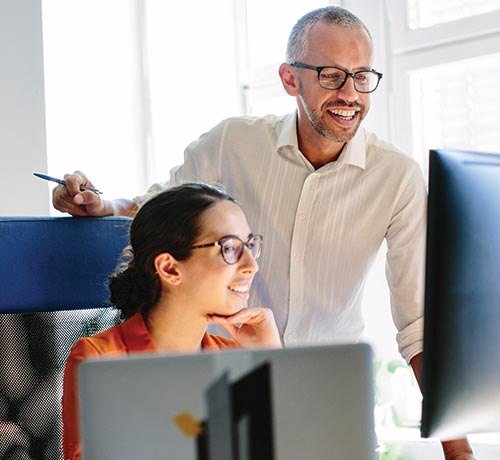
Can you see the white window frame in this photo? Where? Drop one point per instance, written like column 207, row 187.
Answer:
column 405, row 40
column 410, row 50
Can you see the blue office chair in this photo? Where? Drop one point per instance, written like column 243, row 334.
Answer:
column 53, row 290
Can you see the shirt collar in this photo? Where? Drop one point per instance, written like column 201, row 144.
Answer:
column 136, row 335
column 288, row 135
column 354, row 152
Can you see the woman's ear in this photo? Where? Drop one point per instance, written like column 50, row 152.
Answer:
column 288, row 79
column 167, row 269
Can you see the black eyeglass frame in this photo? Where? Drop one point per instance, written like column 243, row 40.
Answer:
column 319, row 69
column 246, row 243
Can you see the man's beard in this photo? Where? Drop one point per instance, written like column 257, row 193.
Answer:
column 335, row 134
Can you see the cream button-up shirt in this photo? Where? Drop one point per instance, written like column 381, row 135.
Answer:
column 322, row 228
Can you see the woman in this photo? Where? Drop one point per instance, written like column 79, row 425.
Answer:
column 192, row 259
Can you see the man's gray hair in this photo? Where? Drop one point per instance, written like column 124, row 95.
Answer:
column 335, row 15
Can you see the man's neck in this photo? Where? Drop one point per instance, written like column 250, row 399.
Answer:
column 320, row 152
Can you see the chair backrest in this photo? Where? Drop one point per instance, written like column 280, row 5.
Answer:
column 53, row 290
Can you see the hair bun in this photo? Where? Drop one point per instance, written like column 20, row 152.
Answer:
column 131, row 292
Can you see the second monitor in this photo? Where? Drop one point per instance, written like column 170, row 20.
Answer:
column 461, row 374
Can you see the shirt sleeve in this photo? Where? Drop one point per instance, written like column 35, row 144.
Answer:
column 81, row 350
column 405, row 263
column 201, row 164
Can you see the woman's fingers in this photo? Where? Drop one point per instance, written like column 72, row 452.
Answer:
column 256, row 326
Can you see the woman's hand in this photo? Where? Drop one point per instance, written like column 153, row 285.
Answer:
column 257, row 327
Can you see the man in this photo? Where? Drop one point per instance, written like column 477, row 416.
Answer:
column 323, row 192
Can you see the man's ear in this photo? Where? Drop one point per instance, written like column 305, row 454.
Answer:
column 167, row 268
column 288, row 79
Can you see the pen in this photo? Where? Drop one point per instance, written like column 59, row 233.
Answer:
column 63, row 182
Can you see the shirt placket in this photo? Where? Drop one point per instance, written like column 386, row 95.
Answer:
column 297, row 258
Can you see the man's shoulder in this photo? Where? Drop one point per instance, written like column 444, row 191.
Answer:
column 246, row 122
column 380, row 150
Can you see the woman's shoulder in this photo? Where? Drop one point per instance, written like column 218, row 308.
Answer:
column 106, row 342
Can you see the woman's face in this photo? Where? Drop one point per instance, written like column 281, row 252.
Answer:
column 217, row 287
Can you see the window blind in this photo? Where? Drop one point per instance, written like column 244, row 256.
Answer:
column 456, row 105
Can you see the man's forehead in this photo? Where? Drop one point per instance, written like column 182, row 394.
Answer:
column 332, row 40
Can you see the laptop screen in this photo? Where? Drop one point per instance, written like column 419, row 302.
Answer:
column 296, row 403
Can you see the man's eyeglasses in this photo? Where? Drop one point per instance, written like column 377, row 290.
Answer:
column 365, row 81
column 232, row 247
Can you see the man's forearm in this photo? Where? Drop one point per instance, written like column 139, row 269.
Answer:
column 454, row 449
column 121, row 207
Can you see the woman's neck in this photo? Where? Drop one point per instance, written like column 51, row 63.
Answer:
column 175, row 328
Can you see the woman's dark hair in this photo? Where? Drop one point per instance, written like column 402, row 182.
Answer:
column 169, row 222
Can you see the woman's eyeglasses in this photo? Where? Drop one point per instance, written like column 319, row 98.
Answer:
column 232, row 247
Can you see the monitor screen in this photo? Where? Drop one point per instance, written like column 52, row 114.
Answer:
column 461, row 368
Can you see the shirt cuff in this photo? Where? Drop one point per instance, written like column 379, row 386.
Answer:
column 154, row 190
column 411, row 340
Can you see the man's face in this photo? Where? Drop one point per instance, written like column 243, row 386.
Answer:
column 334, row 114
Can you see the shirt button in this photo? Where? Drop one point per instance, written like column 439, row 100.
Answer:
column 301, row 216
column 297, row 259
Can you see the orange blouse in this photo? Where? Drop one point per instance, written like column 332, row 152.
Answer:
column 129, row 337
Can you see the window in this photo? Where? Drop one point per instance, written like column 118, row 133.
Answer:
column 445, row 76
column 123, row 106
column 225, row 67
column 191, row 74
column 445, row 58
column 262, row 49
column 93, row 93
column 426, row 13
column 452, row 105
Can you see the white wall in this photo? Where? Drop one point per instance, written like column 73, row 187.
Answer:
column 22, row 111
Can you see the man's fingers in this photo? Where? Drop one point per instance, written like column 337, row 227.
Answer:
column 74, row 181
column 87, row 198
column 61, row 198
column 81, row 204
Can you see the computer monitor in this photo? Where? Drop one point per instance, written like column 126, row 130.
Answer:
column 461, row 365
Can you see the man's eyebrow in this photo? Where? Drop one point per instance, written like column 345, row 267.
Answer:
column 355, row 69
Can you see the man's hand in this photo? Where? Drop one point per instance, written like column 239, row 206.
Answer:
column 457, row 449
column 258, row 328
column 71, row 199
